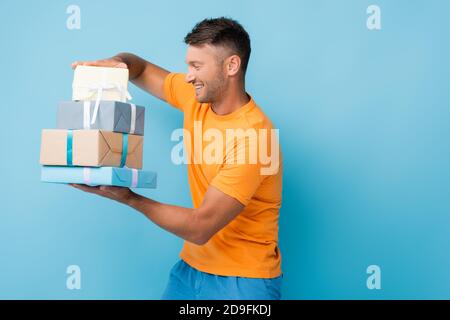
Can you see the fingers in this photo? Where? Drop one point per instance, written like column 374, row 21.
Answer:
column 75, row 64
column 120, row 194
column 112, row 63
column 87, row 188
column 100, row 190
column 82, row 63
column 106, row 189
column 121, row 65
column 86, row 63
column 111, row 189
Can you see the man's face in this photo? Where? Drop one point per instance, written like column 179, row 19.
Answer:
column 206, row 72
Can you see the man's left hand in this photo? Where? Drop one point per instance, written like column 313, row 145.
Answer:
column 120, row 194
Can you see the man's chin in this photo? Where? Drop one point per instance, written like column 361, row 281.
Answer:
column 202, row 99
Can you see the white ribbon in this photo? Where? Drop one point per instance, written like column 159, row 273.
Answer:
column 134, row 178
column 125, row 95
column 87, row 175
column 133, row 118
column 86, row 115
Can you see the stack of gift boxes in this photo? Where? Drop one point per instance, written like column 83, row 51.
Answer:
column 99, row 136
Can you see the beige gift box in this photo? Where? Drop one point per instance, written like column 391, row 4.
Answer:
column 91, row 148
column 109, row 84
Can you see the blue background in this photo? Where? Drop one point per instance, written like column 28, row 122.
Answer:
column 364, row 126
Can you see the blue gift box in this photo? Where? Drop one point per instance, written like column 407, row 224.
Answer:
column 112, row 116
column 110, row 176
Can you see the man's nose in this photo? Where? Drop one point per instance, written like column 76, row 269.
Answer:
column 189, row 77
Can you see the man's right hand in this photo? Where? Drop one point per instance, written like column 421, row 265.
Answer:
column 142, row 73
column 114, row 62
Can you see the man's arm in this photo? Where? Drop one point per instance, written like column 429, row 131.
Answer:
column 194, row 225
column 144, row 74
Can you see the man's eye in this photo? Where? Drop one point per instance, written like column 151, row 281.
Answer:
column 197, row 68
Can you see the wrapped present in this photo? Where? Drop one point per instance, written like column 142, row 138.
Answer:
column 112, row 116
column 110, row 176
column 92, row 83
column 91, row 148
column 100, row 83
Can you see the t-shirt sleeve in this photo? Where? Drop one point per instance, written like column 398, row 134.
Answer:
column 239, row 180
column 177, row 92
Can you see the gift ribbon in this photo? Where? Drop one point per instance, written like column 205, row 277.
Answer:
column 69, row 147
column 133, row 118
column 125, row 95
column 69, row 152
column 124, row 149
column 134, row 177
column 87, row 116
column 87, row 175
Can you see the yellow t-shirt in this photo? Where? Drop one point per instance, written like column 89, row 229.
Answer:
column 248, row 245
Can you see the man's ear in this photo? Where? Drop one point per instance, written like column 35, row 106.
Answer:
column 233, row 65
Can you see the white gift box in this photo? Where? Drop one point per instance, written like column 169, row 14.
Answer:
column 100, row 84
column 89, row 82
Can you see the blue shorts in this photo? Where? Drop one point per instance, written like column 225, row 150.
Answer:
column 187, row 283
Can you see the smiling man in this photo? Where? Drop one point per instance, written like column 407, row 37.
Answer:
column 231, row 235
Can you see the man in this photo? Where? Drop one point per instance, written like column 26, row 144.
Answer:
column 231, row 235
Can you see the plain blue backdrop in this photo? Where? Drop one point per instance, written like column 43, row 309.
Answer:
column 364, row 126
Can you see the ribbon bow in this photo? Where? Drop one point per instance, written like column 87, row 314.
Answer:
column 98, row 89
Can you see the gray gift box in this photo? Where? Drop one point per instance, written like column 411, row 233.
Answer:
column 112, row 116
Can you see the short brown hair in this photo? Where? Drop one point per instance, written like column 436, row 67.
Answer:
column 222, row 32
